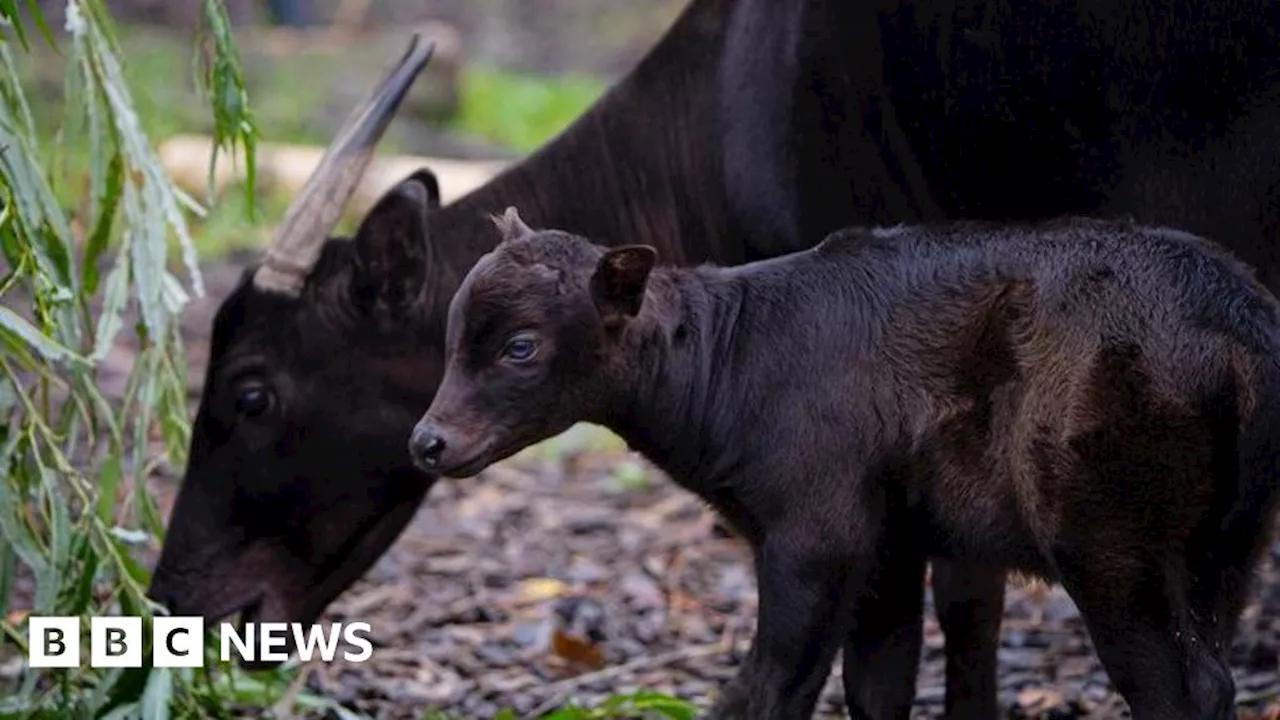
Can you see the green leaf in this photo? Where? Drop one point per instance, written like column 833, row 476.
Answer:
column 8, row 571
column 16, row 532
column 567, row 713
column 8, row 401
column 107, row 204
column 82, row 382
column 100, row 700
column 136, row 572
column 668, row 707
column 37, row 16
column 158, row 695
column 147, row 251
column 46, row 228
column 89, row 562
column 59, row 536
column 9, row 10
column 173, row 409
column 110, row 321
column 109, row 478
column 233, row 122
column 127, row 711
column 17, row 330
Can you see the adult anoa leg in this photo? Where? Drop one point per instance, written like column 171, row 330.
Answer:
column 969, row 600
column 882, row 648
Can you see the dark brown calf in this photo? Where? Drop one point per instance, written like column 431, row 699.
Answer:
column 1092, row 403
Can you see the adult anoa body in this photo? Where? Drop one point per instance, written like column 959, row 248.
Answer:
column 1093, row 403
column 753, row 128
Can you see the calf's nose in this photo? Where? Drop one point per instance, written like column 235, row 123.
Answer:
column 425, row 446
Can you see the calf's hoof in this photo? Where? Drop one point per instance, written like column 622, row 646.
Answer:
column 731, row 705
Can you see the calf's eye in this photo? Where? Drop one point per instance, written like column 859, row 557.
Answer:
column 520, row 348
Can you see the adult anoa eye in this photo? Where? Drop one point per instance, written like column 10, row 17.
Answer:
column 520, row 348
column 254, row 399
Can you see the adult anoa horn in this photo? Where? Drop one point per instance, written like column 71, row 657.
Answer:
column 298, row 238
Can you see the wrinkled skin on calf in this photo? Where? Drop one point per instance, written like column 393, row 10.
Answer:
column 1093, row 403
column 753, row 128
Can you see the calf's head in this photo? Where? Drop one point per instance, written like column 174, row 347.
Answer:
column 321, row 360
column 536, row 340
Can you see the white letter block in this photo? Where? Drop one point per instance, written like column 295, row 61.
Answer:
column 115, row 642
column 54, row 642
column 177, row 642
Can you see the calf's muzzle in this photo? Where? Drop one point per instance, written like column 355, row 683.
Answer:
column 426, row 445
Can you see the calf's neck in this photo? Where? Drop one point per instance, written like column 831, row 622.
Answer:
column 1094, row 403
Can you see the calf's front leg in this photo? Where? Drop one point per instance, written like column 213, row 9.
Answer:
column 804, row 578
column 882, row 648
column 970, row 604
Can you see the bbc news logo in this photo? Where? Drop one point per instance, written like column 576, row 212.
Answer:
column 178, row 642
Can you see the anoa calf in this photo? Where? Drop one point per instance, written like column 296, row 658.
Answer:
column 1093, row 403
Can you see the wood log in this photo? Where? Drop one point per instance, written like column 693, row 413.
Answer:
column 285, row 168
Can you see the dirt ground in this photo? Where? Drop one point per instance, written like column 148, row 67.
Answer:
column 575, row 571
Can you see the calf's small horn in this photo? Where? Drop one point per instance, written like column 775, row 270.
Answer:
column 298, row 238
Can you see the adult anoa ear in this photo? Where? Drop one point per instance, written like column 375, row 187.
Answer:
column 392, row 252
column 619, row 282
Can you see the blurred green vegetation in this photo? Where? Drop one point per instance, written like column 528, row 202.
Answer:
column 71, row 503
column 521, row 111
column 290, row 95
column 639, row 705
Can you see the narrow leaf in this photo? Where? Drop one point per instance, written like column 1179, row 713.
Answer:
column 107, row 205
column 113, row 301
column 37, row 16
column 89, row 562
column 16, row 531
column 158, row 695
column 18, row 330
column 108, row 485
column 8, row 571
column 9, row 9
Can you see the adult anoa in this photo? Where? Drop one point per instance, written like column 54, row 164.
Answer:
column 1093, row 403
column 753, row 128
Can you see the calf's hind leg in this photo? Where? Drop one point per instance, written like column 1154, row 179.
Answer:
column 1164, row 663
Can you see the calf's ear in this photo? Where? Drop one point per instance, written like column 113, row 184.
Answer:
column 619, row 282
column 391, row 249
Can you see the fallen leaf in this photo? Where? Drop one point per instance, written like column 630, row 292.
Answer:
column 577, row 651
column 535, row 590
column 1039, row 699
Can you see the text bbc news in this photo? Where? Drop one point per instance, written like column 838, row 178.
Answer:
column 177, row 642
